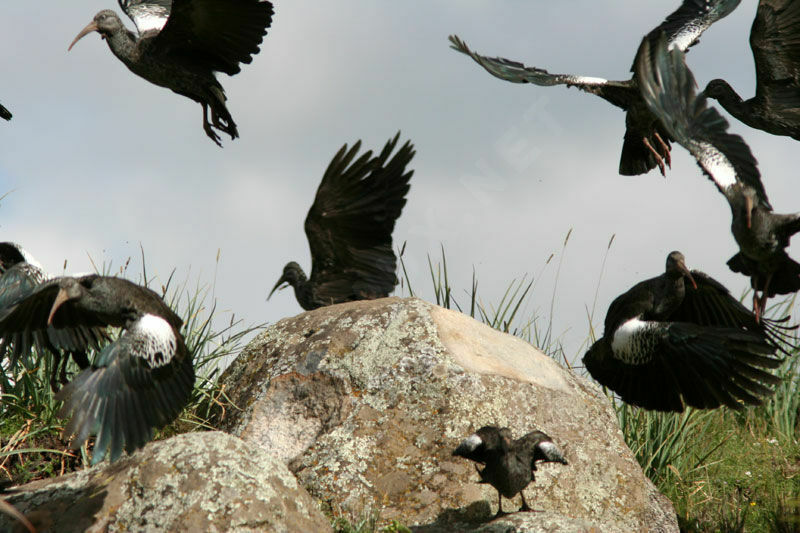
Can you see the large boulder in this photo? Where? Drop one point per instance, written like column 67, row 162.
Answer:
column 210, row 482
column 365, row 402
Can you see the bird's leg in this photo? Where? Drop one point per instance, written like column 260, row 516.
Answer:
column 665, row 146
column 658, row 157
column 54, row 375
column 207, row 127
column 499, row 506
column 756, row 306
column 763, row 302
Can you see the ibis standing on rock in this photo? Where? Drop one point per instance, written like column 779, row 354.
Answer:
column 775, row 42
column 138, row 382
column 349, row 228
column 762, row 235
column 681, row 339
column 508, row 464
column 646, row 144
column 181, row 43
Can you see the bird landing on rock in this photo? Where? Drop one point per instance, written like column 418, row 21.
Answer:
column 349, row 228
column 508, row 464
column 181, row 44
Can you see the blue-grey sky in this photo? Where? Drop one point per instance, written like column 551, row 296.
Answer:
column 99, row 160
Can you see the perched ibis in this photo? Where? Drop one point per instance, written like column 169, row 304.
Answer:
column 508, row 464
column 138, row 382
column 20, row 275
column 775, row 41
column 681, row 339
column 5, row 113
column 349, row 228
column 646, row 144
column 762, row 235
column 181, row 44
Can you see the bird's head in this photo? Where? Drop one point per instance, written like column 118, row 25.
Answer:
column 105, row 23
column 676, row 265
column 718, row 89
column 292, row 274
column 69, row 290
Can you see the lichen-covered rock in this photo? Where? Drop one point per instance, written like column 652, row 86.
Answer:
column 210, row 482
column 366, row 400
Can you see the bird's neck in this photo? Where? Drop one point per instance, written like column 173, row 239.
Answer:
column 123, row 45
column 731, row 101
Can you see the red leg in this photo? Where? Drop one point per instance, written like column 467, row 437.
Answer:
column 659, row 160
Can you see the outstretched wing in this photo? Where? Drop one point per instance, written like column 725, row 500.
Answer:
column 147, row 15
column 349, row 226
column 619, row 93
column 214, row 34
column 24, row 322
column 684, row 26
column 668, row 88
column 138, row 383
column 661, row 366
column 775, row 41
column 5, row 113
column 541, row 447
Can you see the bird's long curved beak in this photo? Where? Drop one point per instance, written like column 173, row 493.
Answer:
column 92, row 26
column 278, row 286
column 61, row 297
column 685, row 271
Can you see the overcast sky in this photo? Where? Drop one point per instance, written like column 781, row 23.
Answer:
column 98, row 160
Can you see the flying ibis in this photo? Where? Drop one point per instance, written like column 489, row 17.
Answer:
column 181, row 43
column 646, row 144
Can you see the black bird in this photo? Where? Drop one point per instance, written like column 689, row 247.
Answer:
column 646, row 144
column 681, row 338
column 508, row 464
column 20, row 275
column 182, row 43
column 762, row 235
column 349, row 228
column 775, row 41
column 5, row 113
column 140, row 381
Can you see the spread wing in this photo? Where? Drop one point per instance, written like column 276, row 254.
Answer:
column 141, row 381
column 147, row 15
column 619, row 93
column 349, row 226
column 23, row 323
column 684, row 26
column 775, row 41
column 668, row 88
column 5, row 113
column 541, row 447
column 213, row 34
column 664, row 365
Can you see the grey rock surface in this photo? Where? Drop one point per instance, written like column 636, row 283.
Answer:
column 365, row 402
column 209, row 482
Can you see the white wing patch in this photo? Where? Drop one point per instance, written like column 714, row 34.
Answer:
column 153, row 340
column 471, row 443
column 718, row 167
column 589, row 80
column 627, row 343
column 550, row 450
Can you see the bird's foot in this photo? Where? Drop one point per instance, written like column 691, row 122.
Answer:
column 212, row 134
column 665, row 147
column 499, row 513
column 659, row 159
column 757, row 306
